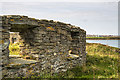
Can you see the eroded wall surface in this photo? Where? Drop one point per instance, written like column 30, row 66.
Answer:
column 56, row 46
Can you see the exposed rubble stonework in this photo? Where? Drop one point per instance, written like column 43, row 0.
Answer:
column 55, row 46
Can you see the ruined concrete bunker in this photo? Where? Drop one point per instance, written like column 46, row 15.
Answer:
column 49, row 42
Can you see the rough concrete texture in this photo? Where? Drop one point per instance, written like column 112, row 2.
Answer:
column 55, row 46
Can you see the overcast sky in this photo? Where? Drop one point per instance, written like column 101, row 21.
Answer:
column 94, row 17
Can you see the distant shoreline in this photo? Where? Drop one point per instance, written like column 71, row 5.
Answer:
column 102, row 38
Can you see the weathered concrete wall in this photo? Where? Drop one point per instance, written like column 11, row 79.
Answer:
column 56, row 46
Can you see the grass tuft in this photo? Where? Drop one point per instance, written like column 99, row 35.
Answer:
column 14, row 49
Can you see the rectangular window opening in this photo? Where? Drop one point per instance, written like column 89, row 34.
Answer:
column 14, row 43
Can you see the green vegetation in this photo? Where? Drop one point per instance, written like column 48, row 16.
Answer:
column 101, row 62
column 106, row 38
column 102, row 37
column 14, row 49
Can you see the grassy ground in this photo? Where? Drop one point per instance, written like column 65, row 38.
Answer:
column 104, row 38
column 102, row 62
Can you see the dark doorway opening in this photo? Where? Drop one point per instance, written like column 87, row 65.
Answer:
column 75, row 41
